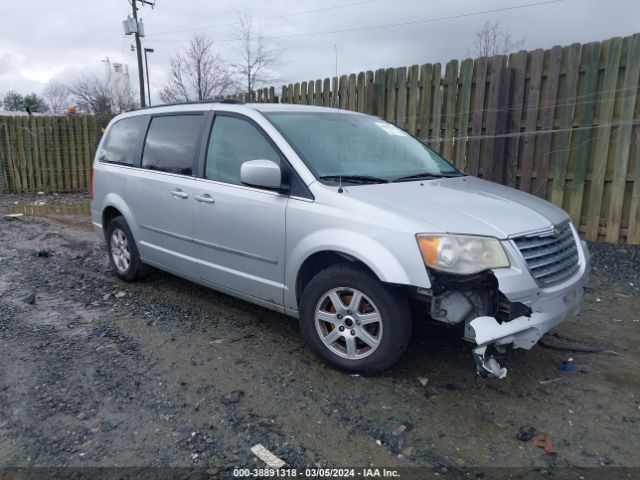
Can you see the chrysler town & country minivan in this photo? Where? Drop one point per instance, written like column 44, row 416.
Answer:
column 337, row 218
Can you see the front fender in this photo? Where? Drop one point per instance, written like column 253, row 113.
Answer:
column 366, row 249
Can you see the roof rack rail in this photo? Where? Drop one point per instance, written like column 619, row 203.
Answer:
column 229, row 100
column 195, row 102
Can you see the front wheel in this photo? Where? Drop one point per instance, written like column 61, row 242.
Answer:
column 354, row 322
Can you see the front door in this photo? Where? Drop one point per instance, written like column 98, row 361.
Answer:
column 239, row 230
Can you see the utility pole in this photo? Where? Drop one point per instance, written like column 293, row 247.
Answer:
column 146, row 66
column 134, row 5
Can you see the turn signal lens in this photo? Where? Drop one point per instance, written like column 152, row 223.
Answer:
column 462, row 254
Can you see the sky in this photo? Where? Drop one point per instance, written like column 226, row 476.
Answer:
column 64, row 39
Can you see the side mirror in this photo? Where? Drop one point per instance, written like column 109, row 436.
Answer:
column 261, row 173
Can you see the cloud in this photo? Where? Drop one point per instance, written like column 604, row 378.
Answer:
column 6, row 63
column 62, row 42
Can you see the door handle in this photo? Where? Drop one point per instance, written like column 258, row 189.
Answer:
column 179, row 193
column 205, row 198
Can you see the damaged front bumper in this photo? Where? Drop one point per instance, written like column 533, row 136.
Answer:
column 522, row 332
column 506, row 308
column 548, row 308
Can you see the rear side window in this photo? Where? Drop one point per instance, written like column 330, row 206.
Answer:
column 122, row 140
column 172, row 143
column 234, row 141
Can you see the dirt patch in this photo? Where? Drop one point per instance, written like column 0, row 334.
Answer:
column 96, row 372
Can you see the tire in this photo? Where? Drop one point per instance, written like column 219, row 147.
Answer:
column 123, row 252
column 363, row 298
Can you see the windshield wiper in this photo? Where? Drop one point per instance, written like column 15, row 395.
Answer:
column 354, row 178
column 426, row 176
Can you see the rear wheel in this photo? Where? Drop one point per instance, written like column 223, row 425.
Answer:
column 123, row 253
column 353, row 321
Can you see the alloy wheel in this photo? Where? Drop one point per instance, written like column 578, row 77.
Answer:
column 349, row 323
column 120, row 250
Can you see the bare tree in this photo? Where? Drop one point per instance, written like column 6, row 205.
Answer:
column 196, row 74
column 94, row 95
column 57, row 94
column 257, row 56
column 492, row 40
column 123, row 98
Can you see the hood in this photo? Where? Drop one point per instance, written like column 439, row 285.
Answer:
column 466, row 205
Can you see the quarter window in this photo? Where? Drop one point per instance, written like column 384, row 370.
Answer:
column 172, row 143
column 122, row 140
column 235, row 141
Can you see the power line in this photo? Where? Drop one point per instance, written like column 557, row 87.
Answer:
column 525, row 106
column 393, row 25
column 525, row 133
column 318, row 10
column 276, row 17
column 416, row 22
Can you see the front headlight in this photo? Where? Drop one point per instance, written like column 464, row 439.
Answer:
column 461, row 254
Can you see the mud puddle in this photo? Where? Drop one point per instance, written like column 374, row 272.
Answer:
column 43, row 208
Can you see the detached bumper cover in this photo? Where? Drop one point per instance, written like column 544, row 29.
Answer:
column 524, row 332
column 548, row 309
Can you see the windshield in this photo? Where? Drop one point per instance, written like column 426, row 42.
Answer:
column 358, row 148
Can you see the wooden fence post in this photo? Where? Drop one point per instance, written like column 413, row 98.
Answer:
column 4, row 176
column 500, row 146
column 412, row 100
column 42, row 154
column 436, row 98
column 548, row 112
column 310, row 93
column 401, row 99
column 462, row 114
column 326, row 93
column 518, row 66
column 380, row 92
column 342, row 92
column 449, row 101
column 360, row 92
column 531, row 118
column 390, row 94
column 480, row 74
column 565, row 114
column 612, row 53
column 424, row 109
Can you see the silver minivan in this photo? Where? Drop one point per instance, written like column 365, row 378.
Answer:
column 337, row 218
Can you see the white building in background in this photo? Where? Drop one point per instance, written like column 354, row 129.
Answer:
column 119, row 73
column 119, row 84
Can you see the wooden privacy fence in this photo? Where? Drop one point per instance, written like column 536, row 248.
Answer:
column 48, row 153
column 560, row 123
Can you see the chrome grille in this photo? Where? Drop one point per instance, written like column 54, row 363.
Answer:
column 551, row 258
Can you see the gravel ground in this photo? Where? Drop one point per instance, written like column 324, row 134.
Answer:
column 164, row 373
